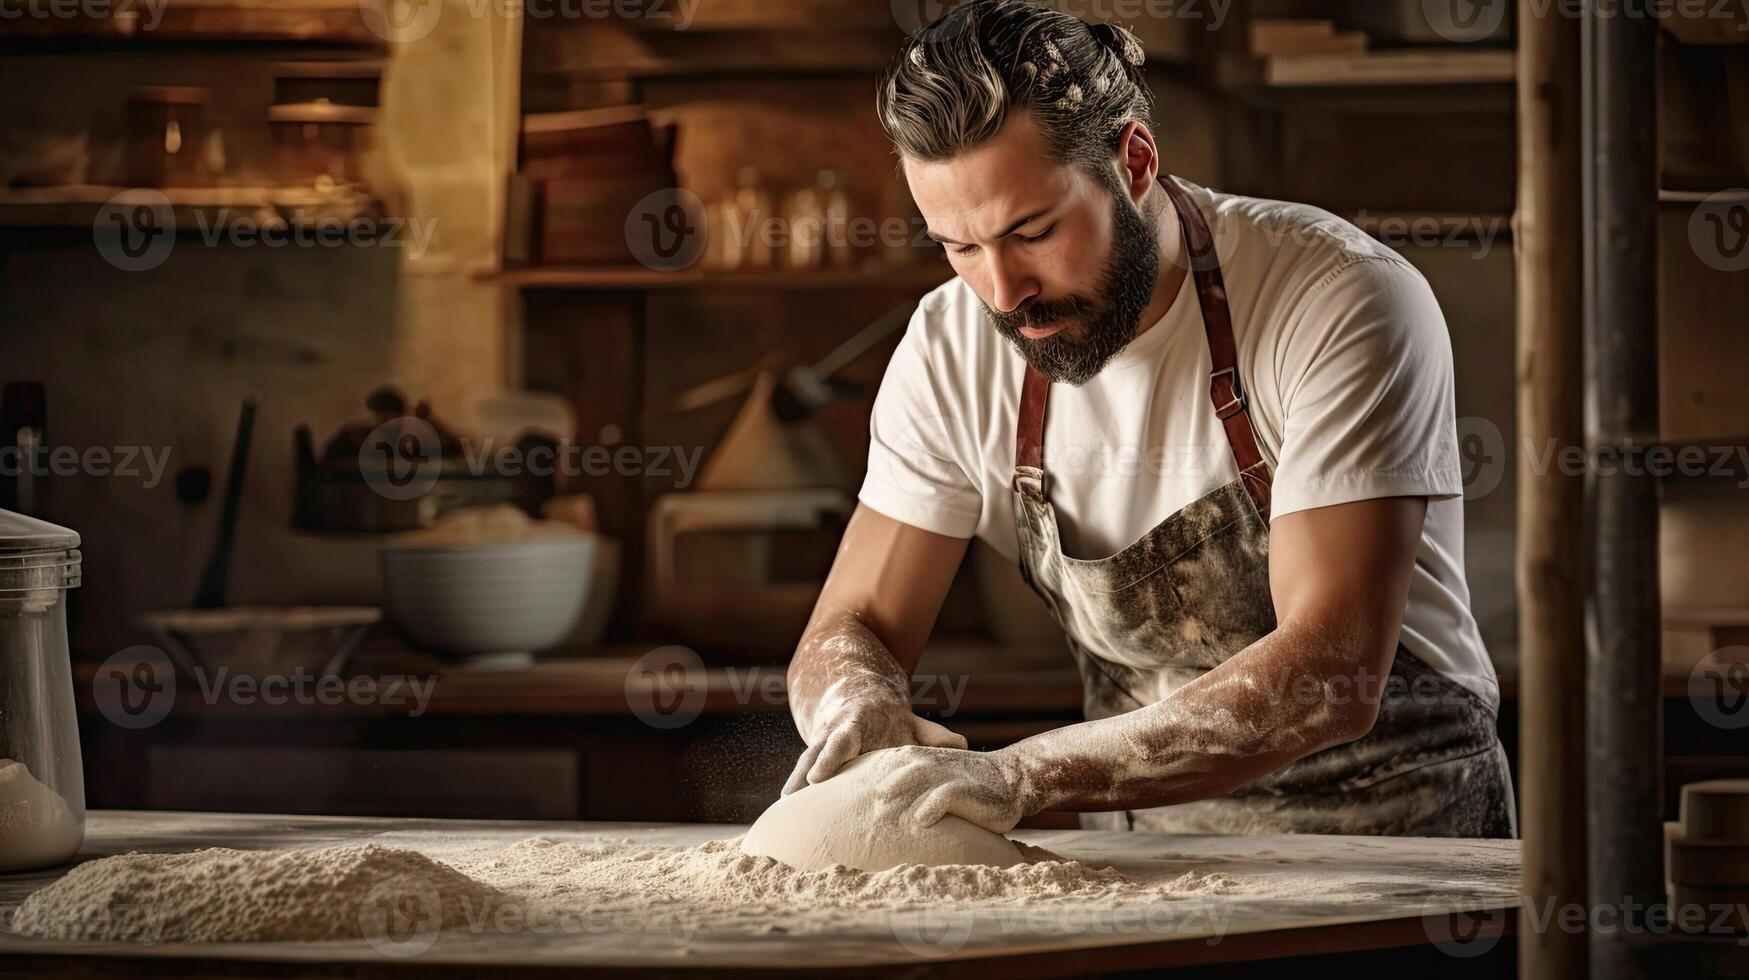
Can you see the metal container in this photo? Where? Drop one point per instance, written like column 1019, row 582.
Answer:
column 42, row 785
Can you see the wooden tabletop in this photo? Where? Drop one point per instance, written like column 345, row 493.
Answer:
column 1400, row 892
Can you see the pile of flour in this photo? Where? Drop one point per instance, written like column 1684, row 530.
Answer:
column 37, row 826
column 225, row 895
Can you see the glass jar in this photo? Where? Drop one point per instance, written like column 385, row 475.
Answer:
column 42, row 785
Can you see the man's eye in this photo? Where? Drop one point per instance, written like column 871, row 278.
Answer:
column 966, row 250
column 1041, row 236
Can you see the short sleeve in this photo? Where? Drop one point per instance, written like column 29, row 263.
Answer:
column 1367, row 393
column 917, row 463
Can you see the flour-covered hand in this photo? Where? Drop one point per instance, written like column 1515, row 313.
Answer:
column 985, row 788
column 861, row 723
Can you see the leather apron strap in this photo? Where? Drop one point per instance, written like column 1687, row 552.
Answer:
column 1226, row 391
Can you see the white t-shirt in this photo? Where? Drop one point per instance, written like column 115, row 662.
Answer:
column 1347, row 367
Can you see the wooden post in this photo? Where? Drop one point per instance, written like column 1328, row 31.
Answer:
column 1624, row 697
column 1551, row 504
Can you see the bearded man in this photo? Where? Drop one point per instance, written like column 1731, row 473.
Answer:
column 1216, row 433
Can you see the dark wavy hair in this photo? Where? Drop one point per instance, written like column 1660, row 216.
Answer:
column 955, row 82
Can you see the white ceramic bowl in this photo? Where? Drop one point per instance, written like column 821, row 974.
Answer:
column 467, row 600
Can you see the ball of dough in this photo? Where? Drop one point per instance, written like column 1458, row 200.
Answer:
column 837, row 822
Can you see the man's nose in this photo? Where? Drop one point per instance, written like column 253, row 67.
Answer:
column 1011, row 283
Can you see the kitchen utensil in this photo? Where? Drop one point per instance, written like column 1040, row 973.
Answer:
column 211, row 593
column 488, row 599
column 761, row 452
column 42, row 786
column 262, row 641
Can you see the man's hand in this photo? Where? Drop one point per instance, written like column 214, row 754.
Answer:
column 849, row 684
column 986, row 788
column 862, row 723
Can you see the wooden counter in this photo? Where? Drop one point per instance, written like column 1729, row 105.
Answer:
column 1401, row 897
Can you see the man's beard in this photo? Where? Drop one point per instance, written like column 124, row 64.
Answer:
column 1107, row 326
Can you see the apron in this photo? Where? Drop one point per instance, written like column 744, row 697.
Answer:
column 1195, row 590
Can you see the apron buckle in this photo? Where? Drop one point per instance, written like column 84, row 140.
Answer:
column 1236, row 403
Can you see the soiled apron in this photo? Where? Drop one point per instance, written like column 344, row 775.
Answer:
column 1195, row 590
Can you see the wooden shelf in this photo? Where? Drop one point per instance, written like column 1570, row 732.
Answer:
column 344, row 23
column 1724, row 195
column 920, row 277
column 1464, row 66
column 1406, row 67
column 77, row 206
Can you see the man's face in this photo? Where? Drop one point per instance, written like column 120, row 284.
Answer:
column 1064, row 267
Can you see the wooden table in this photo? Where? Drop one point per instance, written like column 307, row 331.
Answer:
column 1403, row 890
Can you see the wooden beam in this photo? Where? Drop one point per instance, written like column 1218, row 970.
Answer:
column 1551, row 504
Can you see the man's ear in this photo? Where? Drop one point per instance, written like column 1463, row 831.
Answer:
column 1138, row 160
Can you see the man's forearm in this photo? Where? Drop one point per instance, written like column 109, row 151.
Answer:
column 840, row 657
column 1286, row 696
